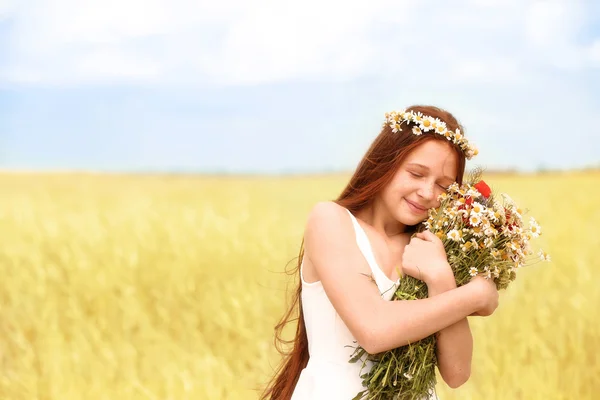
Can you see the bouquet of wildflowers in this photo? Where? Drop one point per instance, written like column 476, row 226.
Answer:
column 482, row 235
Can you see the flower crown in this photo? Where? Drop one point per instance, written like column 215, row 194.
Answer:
column 425, row 123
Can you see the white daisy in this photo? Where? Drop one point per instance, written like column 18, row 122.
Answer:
column 477, row 208
column 534, row 228
column 474, row 193
column 455, row 235
column 475, row 220
column 451, row 213
column 487, row 273
column 544, row 256
column 458, row 137
column 490, row 231
column 426, row 124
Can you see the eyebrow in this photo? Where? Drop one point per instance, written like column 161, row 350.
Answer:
column 427, row 168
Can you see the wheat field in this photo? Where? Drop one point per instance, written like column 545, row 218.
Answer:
column 168, row 287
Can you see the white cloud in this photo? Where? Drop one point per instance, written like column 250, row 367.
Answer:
column 48, row 25
column 236, row 41
column 493, row 70
column 311, row 38
column 6, row 7
column 111, row 63
column 594, row 52
column 552, row 27
column 551, row 21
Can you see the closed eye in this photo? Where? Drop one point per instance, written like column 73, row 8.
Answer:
column 417, row 175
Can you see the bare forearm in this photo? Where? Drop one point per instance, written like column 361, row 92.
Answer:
column 403, row 322
column 454, row 346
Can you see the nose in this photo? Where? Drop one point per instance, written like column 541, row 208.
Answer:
column 426, row 191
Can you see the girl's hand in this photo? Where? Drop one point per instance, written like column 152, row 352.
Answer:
column 486, row 291
column 425, row 259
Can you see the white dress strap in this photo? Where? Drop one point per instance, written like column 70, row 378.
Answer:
column 367, row 250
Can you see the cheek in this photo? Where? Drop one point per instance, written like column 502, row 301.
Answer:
column 392, row 195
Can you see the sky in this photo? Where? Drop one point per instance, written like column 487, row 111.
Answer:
column 274, row 86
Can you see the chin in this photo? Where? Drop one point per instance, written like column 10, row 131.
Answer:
column 409, row 219
column 414, row 221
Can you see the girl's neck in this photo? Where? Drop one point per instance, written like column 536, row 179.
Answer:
column 378, row 216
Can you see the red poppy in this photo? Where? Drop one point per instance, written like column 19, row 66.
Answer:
column 483, row 188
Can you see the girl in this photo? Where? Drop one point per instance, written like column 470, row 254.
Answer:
column 356, row 248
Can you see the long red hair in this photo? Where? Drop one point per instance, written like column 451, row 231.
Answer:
column 373, row 173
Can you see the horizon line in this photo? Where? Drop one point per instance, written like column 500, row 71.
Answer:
column 282, row 173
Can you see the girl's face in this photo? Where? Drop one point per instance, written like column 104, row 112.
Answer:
column 425, row 174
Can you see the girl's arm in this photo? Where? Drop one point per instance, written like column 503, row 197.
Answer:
column 378, row 325
column 454, row 344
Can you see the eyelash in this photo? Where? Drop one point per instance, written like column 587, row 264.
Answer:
column 420, row 176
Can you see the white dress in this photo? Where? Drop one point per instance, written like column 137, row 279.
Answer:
column 328, row 374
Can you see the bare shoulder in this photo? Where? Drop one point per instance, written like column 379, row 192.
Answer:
column 327, row 221
column 329, row 239
column 326, row 214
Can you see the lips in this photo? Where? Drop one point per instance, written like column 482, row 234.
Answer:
column 416, row 207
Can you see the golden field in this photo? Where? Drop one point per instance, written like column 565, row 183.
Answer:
column 168, row 287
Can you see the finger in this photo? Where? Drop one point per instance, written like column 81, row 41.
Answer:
column 427, row 236
column 421, row 235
